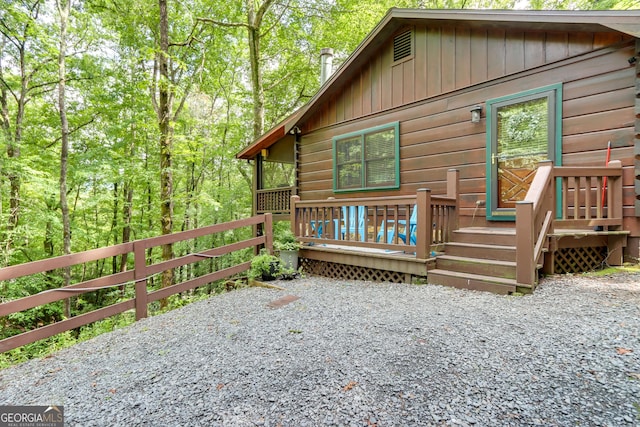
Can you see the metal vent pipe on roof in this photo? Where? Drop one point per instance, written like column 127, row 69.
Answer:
column 326, row 64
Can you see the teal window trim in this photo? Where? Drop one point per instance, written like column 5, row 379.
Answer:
column 361, row 135
column 556, row 89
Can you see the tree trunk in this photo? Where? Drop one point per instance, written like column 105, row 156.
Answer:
column 127, row 213
column 114, row 226
column 13, row 150
column 256, row 81
column 64, row 8
column 19, row 37
column 5, row 124
column 254, row 26
column 127, row 208
column 165, row 95
column 52, row 206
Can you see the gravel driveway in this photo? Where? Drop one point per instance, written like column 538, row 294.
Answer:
column 359, row 354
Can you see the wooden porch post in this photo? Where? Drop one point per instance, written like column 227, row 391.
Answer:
column 615, row 202
column 453, row 191
column 525, row 264
column 615, row 248
column 333, row 229
column 453, row 181
column 423, row 229
column 295, row 227
column 615, row 244
column 256, row 183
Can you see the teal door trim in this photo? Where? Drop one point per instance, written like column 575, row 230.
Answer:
column 554, row 92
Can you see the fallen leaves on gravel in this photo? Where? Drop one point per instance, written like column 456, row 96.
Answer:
column 621, row 350
column 349, row 386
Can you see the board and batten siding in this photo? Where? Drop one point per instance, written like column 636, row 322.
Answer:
column 436, row 133
column 446, row 59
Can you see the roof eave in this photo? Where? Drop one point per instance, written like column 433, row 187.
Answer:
column 302, row 112
column 627, row 22
column 268, row 139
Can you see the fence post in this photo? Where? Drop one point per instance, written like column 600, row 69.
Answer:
column 525, row 268
column 140, row 277
column 268, row 232
column 423, row 228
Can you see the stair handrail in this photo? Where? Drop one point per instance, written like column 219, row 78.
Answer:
column 534, row 221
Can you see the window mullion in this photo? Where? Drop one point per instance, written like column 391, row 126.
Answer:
column 363, row 148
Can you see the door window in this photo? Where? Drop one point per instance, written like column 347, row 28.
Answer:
column 523, row 130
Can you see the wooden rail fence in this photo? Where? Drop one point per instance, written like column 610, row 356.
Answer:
column 138, row 276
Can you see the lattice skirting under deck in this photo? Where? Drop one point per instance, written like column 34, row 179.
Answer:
column 351, row 272
column 579, row 260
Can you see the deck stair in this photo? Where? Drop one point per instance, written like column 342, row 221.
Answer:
column 480, row 258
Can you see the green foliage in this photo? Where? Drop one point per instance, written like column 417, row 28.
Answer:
column 264, row 266
column 37, row 349
column 609, row 270
column 522, row 131
column 285, row 240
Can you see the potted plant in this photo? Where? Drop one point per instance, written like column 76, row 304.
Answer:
column 264, row 266
column 288, row 247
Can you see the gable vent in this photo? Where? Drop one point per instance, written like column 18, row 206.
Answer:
column 402, row 46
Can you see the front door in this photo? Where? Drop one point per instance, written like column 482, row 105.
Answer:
column 522, row 132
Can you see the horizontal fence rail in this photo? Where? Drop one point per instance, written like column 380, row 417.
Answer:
column 139, row 276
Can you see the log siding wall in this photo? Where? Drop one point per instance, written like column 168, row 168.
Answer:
column 636, row 149
column 454, row 69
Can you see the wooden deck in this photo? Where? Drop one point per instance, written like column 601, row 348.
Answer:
column 480, row 258
column 546, row 236
column 373, row 258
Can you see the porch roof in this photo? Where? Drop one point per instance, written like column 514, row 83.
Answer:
column 268, row 139
column 627, row 22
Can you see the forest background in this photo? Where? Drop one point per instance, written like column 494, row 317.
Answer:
column 120, row 120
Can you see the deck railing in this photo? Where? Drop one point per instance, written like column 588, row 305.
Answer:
column 590, row 197
column 318, row 222
column 137, row 276
column 273, row 200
